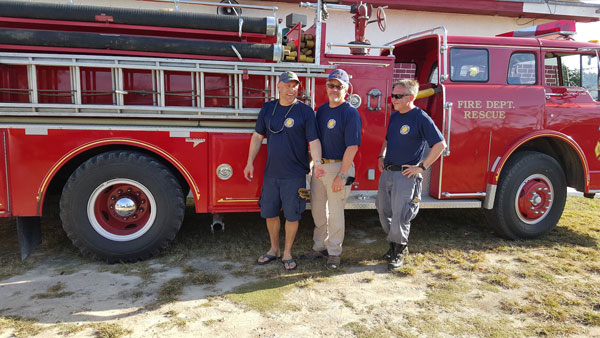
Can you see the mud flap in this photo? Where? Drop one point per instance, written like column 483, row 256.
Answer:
column 29, row 232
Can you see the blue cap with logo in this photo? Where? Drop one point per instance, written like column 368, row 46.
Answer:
column 340, row 75
column 288, row 76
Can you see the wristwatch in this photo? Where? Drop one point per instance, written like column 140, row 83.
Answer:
column 422, row 166
column 342, row 176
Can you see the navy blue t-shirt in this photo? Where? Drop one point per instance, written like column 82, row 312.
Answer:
column 338, row 128
column 406, row 137
column 288, row 131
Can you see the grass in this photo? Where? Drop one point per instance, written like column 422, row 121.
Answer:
column 175, row 320
column 54, row 291
column 11, row 265
column 69, row 329
column 138, row 269
column 22, row 327
column 446, row 294
column 171, row 290
column 263, row 296
column 110, row 330
column 362, row 330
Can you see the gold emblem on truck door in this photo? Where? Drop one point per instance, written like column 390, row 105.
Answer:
column 598, row 150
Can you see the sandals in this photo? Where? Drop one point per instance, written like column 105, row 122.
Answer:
column 266, row 259
column 288, row 262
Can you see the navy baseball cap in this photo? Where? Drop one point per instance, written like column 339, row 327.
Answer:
column 340, row 75
column 288, row 76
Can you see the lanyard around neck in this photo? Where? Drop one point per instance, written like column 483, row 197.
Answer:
column 284, row 118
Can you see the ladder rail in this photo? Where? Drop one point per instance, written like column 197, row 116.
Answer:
column 235, row 73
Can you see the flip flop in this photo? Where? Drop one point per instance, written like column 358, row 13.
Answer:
column 269, row 258
column 289, row 262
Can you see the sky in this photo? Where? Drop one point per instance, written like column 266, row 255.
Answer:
column 588, row 31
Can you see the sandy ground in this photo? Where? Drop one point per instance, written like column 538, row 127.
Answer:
column 367, row 295
column 103, row 296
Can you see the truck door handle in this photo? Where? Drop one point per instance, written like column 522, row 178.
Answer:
column 375, row 93
column 448, row 107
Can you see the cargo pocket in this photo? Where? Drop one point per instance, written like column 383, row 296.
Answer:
column 413, row 205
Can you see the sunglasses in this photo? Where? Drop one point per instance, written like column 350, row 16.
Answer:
column 398, row 96
column 331, row 86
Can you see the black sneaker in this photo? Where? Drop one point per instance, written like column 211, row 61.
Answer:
column 333, row 262
column 397, row 259
column 388, row 254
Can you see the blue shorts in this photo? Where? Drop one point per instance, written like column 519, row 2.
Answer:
column 278, row 193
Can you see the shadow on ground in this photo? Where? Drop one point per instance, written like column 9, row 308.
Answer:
column 123, row 290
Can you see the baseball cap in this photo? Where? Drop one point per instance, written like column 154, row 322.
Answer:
column 340, row 75
column 288, row 76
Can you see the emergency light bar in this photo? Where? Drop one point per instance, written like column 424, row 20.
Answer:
column 556, row 29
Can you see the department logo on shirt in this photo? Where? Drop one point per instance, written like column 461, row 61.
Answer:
column 289, row 122
column 404, row 129
column 331, row 124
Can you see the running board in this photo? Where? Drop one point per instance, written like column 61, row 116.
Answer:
column 367, row 201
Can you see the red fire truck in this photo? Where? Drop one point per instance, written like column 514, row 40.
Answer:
column 123, row 113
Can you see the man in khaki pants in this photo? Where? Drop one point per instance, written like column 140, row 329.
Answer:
column 339, row 128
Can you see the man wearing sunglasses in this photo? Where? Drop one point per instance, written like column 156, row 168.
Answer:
column 289, row 125
column 401, row 164
column 339, row 128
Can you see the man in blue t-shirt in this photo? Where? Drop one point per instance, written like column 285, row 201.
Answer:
column 289, row 126
column 400, row 162
column 339, row 129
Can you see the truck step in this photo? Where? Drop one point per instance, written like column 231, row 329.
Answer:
column 366, row 200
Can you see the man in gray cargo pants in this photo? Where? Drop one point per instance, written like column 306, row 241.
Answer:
column 401, row 167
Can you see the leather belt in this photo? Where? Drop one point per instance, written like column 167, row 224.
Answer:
column 393, row 167
column 326, row 160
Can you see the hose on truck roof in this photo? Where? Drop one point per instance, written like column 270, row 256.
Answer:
column 27, row 37
column 129, row 16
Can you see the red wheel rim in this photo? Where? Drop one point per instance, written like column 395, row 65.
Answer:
column 121, row 209
column 534, row 199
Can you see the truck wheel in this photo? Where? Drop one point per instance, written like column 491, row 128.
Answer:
column 122, row 206
column 531, row 196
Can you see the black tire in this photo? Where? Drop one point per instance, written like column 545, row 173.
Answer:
column 146, row 218
column 530, row 198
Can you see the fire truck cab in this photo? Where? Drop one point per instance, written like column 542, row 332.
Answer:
column 521, row 117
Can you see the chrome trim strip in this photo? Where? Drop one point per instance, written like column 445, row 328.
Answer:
column 130, row 62
column 464, row 194
column 497, row 46
column 177, row 130
column 495, row 164
column 204, row 3
column 330, row 44
column 36, row 130
column 179, row 133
